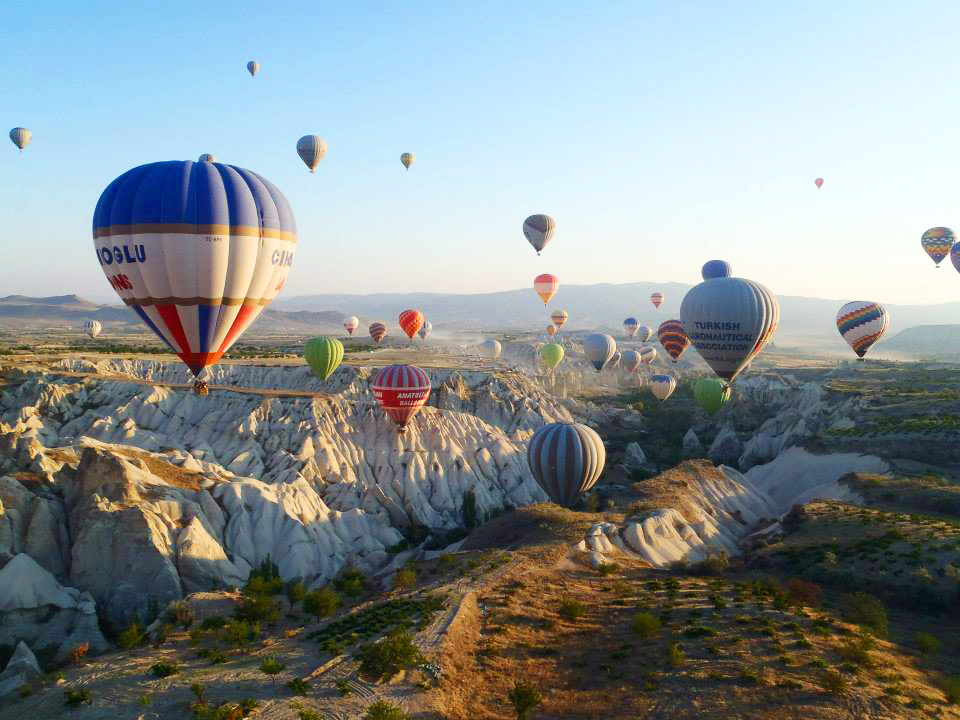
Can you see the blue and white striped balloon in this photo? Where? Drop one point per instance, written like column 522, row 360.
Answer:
column 566, row 460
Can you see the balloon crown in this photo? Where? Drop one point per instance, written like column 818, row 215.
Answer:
column 713, row 269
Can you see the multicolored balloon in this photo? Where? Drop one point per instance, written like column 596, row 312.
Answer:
column 644, row 333
column 673, row 338
column 491, row 349
column 818, row 182
column 648, row 354
column 599, row 348
column 92, row 328
column 656, row 298
column 21, row 137
column 425, row 330
column 378, row 331
column 546, row 286
column 729, row 320
column 551, row 330
column 559, row 318
column 538, row 230
column 323, row 355
column 311, row 149
column 862, row 323
column 937, row 243
column 401, row 391
column 253, row 67
column 551, row 354
column 955, row 256
column 630, row 360
column 711, row 394
column 408, row 159
column 207, row 157
column 351, row 323
column 566, row 460
column 630, row 326
column 411, row 321
column 662, row 386
column 197, row 250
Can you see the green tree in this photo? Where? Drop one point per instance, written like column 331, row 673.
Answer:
column 646, row 625
column 383, row 710
column 469, row 510
column 272, row 666
column 389, row 656
column 524, row 697
column 132, row 636
column 867, row 611
column 321, row 603
column 405, row 579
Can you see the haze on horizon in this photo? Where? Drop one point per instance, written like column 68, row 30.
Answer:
column 657, row 136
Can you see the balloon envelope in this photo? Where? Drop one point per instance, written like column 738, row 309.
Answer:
column 408, row 159
column 378, row 331
column 546, row 286
column 648, row 354
column 711, row 394
column 955, row 256
column 715, row 269
column 599, row 348
column 559, row 317
column 862, row 323
column 630, row 360
column 92, row 328
column 819, row 182
column 551, row 330
column 491, row 349
column 662, row 386
column 937, row 243
column 253, row 67
column 673, row 338
column 207, row 157
column 729, row 320
column 644, row 332
column 630, row 326
column 401, row 391
column 656, row 298
column 323, row 355
column 311, row 149
column 21, row 137
column 197, row 250
column 425, row 330
column 551, row 354
column 411, row 321
column 538, row 230
column 350, row 324
column 566, row 460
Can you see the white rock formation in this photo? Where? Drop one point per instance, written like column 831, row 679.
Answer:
column 634, row 457
column 726, row 447
column 22, row 669
column 691, row 444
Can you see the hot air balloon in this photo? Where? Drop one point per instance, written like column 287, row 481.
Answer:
column 21, row 137
column 559, row 317
column 350, row 324
column 411, row 321
column 546, row 286
column 937, row 243
column 551, row 330
column 729, row 320
column 614, row 362
column 197, row 250
column 323, row 355
column 662, row 386
column 425, row 330
column 673, row 338
column 408, row 159
column 378, row 331
column 551, row 354
column 599, row 348
column 92, row 328
column 401, row 391
column 656, row 298
column 253, row 67
column 538, row 230
column 311, row 149
column 648, row 354
column 711, row 394
column 818, row 182
column 955, row 256
column 862, row 323
column 644, row 332
column 207, row 157
column 716, row 269
column 491, row 349
column 630, row 326
column 630, row 360
column 566, row 460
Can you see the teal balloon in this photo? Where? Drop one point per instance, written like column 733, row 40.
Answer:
column 323, row 355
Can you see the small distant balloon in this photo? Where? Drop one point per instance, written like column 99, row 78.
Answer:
column 630, row 360
column 323, row 355
column 711, row 394
column 937, row 243
column 818, row 182
column 207, row 157
column 378, row 331
column 551, row 354
column 311, row 149
column 21, row 137
column 644, row 332
column 599, row 348
column 861, row 323
column 538, row 230
column 551, row 330
column 546, row 286
column 350, row 324
column 559, row 317
column 491, row 349
column 662, row 386
column 955, row 256
column 408, row 159
column 656, row 298
column 411, row 321
column 648, row 354
column 401, row 391
column 253, row 67
column 425, row 330
column 92, row 328
column 673, row 338
column 630, row 326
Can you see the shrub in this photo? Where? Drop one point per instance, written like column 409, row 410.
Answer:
column 867, row 611
column 321, row 603
column 217, row 657
column 675, row 655
column 257, row 608
column 239, row 632
column 834, row 682
column 926, row 643
column 343, row 687
column 715, row 563
column 75, row 697
column 524, row 697
column 308, row 714
column 951, row 689
column 214, row 622
column 198, row 690
column 394, row 653
column 351, row 582
column 298, row 686
column 295, row 592
column 646, row 625
column 607, row 569
column 272, row 666
column 405, row 579
column 749, row 676
column 180, row 613
column 469, row 512
column 699, row 631
column 571, row 609
column 383, row 710
column 79, row 652
column 803, row 593
column 164, row 669
column 132, row 636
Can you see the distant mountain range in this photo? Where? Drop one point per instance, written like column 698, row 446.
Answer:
column 914, row 328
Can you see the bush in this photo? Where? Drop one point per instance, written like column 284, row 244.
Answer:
column 571, row 610
column 749, row 676
column 239, row 632
column 926, row 643
column 217, row 657
column 308, row 714
column 607, row 569
column 295, row 592
column 646, row 625
column 198, row 690
column 79, row 652
column 321, row 603
column 867, row 611
column 272, row 667
column 257, row 608
column 699, row 631
column 298, row 686
column 383, row 710
column 394, row 653
column 214, row 622
column 833, row 682
column 180, row 613
column 715, row 563
column 351, row 582
column 524, row 697
column 132, row 636
column 405, row 579
column 343, row 687
column 75, row 697
column 470, row 516
column 164, row 669
column 675, row 655
column 803, row 593
column 951, row 689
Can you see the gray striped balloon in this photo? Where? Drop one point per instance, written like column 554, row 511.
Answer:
column 566, row 460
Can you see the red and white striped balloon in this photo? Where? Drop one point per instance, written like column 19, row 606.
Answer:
column 656, row 298
column 350, row 324
column 411, row 321
column 546, row 286
column 401, row 391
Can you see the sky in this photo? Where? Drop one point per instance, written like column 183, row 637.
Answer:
column 659, row 135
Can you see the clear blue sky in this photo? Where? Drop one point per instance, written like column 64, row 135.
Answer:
column 659, row 135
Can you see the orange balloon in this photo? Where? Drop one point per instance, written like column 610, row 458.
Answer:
column 546, row 286
column 551, row 330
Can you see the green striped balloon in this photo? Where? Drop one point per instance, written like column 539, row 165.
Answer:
column 323, row 355
column 711, row 393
